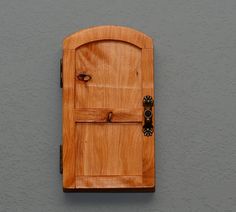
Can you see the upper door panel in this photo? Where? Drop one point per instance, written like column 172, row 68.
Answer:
column 113, row 71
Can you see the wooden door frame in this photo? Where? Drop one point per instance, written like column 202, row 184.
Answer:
column 70, row 44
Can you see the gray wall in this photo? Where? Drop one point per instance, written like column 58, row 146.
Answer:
column 195, row 85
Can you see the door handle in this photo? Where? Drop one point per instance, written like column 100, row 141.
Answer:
column 148, row 127
column 84, row 77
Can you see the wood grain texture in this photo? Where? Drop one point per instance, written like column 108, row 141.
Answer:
column 69, row 146
column 115, row 149
column 98, row 33
column 115, row 70
column 103, row 143
column 148, row 142
column 103, row 182
column 102, row 115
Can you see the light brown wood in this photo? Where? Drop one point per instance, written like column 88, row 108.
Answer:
column 115, row 70
column 99, row 182
column 110, row 32
column 109, row 149
column 102, row 115
column 148, row 142
column 69, row 146
column 107, row 70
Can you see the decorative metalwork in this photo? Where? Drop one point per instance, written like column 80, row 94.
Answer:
column 148, row 127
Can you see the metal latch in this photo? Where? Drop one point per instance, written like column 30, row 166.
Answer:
column 148, row 127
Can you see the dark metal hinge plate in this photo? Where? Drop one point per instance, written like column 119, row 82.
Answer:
column 61, row 73
column 61, row 159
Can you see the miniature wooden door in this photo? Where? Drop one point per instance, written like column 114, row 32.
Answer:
column 108, row 111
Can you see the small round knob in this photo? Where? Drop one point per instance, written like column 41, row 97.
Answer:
column 148, row 114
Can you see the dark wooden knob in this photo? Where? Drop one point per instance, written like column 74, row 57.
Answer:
column 84, row 77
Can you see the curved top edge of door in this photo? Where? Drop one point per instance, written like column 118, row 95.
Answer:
column 108, row 32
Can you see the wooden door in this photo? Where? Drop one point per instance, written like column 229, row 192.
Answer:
column 107, row 72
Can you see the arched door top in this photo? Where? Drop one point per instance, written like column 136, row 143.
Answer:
column 107, row 32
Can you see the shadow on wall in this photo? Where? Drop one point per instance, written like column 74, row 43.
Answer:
column 108, row 198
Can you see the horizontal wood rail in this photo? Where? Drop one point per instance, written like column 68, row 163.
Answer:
column 108, row 115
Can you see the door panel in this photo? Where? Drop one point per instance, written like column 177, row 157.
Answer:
column 115, row 70
column 107, row 71
column 105, row 149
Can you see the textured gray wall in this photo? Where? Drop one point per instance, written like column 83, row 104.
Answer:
column 195, row 87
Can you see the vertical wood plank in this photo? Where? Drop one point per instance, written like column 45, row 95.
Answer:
column 69, row 145
column 148, row 142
